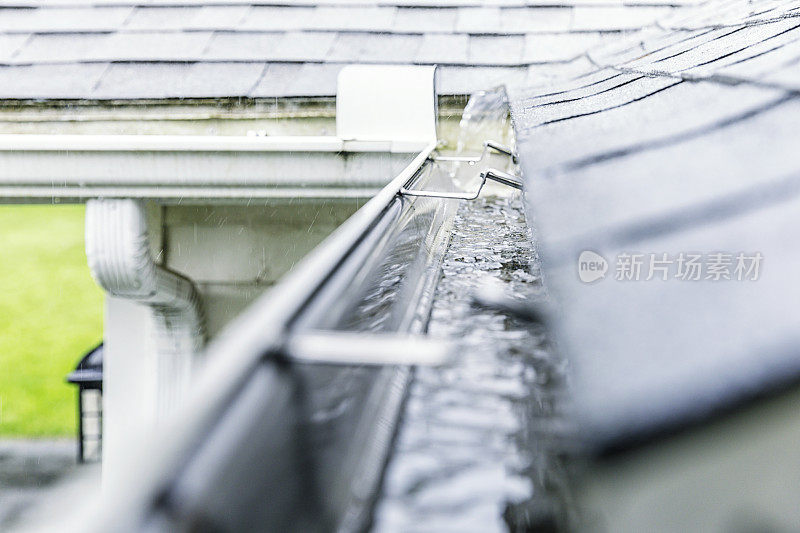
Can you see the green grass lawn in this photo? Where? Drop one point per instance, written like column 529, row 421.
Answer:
column 50, row 314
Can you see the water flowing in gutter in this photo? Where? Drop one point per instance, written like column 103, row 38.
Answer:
column 474, row 445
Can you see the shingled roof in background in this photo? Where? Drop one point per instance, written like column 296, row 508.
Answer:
column 644, row 127
column 124, row 49
column 682, row 138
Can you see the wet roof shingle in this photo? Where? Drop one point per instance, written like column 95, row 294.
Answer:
column 680, row 139
column 477, row 42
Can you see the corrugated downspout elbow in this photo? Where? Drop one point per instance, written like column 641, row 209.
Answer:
column 118, row 252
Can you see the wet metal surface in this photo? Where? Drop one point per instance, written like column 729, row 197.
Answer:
column 470, row 453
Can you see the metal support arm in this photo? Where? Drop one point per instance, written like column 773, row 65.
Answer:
column 358, row 348
column 492, row 174
column 487, row 147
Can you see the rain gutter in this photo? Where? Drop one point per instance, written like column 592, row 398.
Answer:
column 180, row 169
column 235, row 359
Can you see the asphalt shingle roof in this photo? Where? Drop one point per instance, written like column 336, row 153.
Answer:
column 652, row 126
column 681, row 138
column 477, row 43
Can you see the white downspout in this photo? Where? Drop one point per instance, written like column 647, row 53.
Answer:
column 118, row 252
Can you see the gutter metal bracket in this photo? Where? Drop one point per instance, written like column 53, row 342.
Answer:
column 492, row 174
column 376, row 349
column 487, row 147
